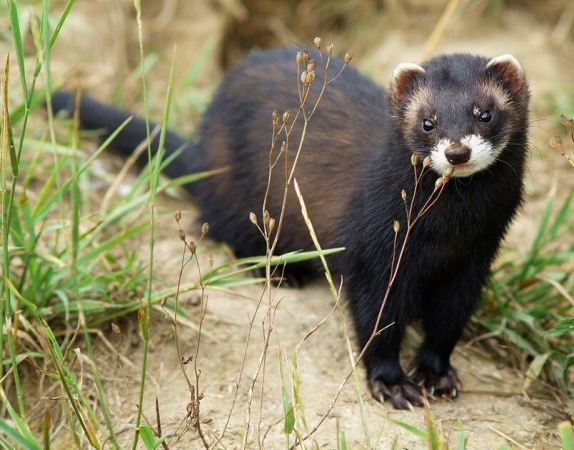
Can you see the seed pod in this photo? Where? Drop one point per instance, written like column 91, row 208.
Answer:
column 307, row 76
column 348, row 57
column 311, row 65
column 426, row 161
column 192, row 246
column 271, row 224
column 253, row 218
column 306, row 56
column 329, row 48
column 299, row 58
column 439, row 182
column 396, row 226
column 447, row 175
column 178, row 215
column 317, row 42
column 414, row 159
column 181, row 234
column 311, row 76
column 404, row 195
column 266, row 217
column 286, row 116
column 275, row 117
column 204, row 228
column 557, row 142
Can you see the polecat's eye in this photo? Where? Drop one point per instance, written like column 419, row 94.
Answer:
column 485, row 117
column 428, row 125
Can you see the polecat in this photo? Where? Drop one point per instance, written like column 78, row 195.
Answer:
column 468, row 114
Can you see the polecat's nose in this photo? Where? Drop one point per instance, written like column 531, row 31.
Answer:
column 457, row 155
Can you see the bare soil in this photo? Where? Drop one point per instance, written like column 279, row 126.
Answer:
column 98, row 47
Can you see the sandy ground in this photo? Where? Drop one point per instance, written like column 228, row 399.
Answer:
column 98, row 46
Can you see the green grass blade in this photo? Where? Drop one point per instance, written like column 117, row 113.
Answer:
column 343, row 440
column 539, row 239
column 24, row 441
column 411, row 429
column 288, row 411
column 461, row 445
column 20, row 431
column 17, row 36
column 566, row 435
column 562, row 216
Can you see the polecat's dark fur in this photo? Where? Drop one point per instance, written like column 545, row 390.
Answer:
column 468, row 113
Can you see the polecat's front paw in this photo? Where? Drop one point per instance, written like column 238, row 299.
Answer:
column 446, row 386
column 403, row 395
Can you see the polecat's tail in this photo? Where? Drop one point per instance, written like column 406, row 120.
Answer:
column 94, row 115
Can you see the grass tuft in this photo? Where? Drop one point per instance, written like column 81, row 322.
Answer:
column 530, row 301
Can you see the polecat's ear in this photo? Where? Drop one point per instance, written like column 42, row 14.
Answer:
column 404, row 79
column 507, row 70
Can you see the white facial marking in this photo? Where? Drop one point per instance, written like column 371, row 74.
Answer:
column 481, row 152
column 439, row 163
column 482, row 155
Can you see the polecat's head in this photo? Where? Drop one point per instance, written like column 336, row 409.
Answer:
column 460, row 109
